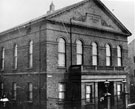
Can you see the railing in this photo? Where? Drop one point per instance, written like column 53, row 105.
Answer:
column 109, row 68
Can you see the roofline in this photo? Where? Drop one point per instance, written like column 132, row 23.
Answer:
column 41, row 18
column 57, row 12
column 114, row 17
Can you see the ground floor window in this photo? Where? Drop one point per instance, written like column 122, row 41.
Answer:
column 61, row 91
column 1, row 88
column 119, row 90
column 14, row 90
column 88, row 93
column 30, row 91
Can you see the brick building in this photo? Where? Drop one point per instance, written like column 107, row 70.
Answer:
column 66, row 55
column 131, row 56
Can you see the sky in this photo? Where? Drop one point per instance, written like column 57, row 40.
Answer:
column 15, row 12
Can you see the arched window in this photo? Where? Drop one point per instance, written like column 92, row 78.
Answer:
column 108, row 55
column 61, row 52
column 3, row 59
column 119, row 56
column 94, row 53
column 15, row 56
column 79, row 52
column 30, row 54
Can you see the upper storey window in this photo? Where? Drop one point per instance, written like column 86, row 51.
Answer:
column 108, row 55
column 30, row 54
column 94, row 54
column 119, row 56
column 3, row 59
column 15, row 56
column 61, row 52
column 79, row 52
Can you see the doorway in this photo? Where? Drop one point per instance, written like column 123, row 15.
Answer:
column 102, row 98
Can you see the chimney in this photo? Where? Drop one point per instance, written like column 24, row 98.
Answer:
column 52, row 8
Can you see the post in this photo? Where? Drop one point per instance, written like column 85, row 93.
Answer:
column 108, row 95
column 71, row 40
column 125, row 94
column 96, row 95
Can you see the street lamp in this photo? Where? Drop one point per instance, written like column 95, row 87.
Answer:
column 107, row 94
column 106, row 85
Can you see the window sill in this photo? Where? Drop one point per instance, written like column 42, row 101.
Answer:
column 15, row 69
column 30, row 101
column 30, row 68
column 61, row 67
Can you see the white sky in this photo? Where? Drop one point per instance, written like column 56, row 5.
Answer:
column 15, row 12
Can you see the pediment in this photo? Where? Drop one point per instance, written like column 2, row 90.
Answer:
column 90, row 13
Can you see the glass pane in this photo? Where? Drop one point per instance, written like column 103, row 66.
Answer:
column 3, row 53
column 79, row 47
column 79, row 59
column 61, row 95
column 30, row 87
column 30, row 61
column 108, row 61
column 61, row 45
column 94, row 60
column 118, row 88
column 119, row 61
column 108, row 50
column 88, row 89
column 118, row 51
column 31, row 47
column 94, row 49
column 61, row 59
column 15, row 50
column 61, row 87
column 87, row 96
column 15, row 64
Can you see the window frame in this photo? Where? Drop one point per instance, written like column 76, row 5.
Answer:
column 15, row 56
column 119, row 56
column 30, row 54
column 30, row 91
column 14, row 90
column 61, row 52
column 94, row 54
column 3, row 59
column 89, row 93
column 61, row 89
column 79, row 52
column 108, row 55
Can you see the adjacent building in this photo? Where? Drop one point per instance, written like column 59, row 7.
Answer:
column 131, row 56
column 65, row 58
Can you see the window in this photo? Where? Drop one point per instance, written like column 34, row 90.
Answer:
column 3, row 59
column 94, row 53
column 79, row 50
column 108, row 55
column 61, row 91
column 119, row 90
column 15, row 56
column 14, row 87
column 30, row 54
column 61, row 52
column 89, row 93
column 30, row 91
column 1, row 88
column 119, row 56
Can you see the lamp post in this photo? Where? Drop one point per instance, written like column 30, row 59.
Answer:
column 124, row 94
column 107, row 94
